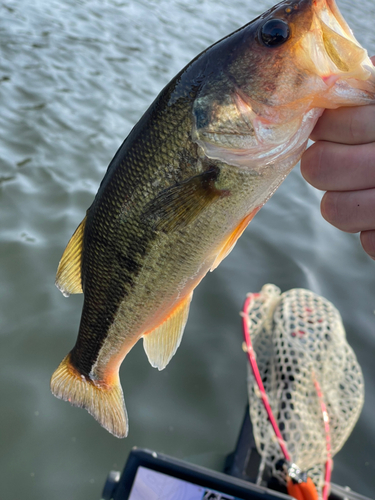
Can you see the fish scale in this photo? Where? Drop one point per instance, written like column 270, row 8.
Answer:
column 208, row 153
column 107, row 215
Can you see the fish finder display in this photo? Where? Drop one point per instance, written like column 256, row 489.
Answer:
column 152, row 485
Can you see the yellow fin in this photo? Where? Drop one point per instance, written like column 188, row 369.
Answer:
column 229, row 243
column 161, row 343
column 68, row 277
column 105, row 402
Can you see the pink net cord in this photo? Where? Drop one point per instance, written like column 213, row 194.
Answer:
column 254, row 367
column 258, row 379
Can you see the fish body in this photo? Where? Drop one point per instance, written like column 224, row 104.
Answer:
column 208, row 153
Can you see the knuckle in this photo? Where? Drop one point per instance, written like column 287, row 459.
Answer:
column 368, row 242
column 329, row 208
column 336, row 210
column 311, row 164
column 361, row 125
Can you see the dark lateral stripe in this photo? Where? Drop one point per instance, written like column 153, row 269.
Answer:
column 105, row 292
column 116, row 238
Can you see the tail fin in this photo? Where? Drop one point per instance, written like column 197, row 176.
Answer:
column 105, row 403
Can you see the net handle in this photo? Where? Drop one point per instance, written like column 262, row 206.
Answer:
column 329, row 463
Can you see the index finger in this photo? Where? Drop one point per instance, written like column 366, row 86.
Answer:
column 346, row 125
column 353, row 125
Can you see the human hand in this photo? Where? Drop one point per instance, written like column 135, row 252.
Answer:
column 342, row 162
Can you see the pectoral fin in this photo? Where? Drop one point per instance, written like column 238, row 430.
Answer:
column 68, row 277
column 229, row 243
column 179, row 205
column 161, row 343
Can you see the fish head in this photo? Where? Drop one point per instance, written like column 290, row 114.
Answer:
column 268, row 83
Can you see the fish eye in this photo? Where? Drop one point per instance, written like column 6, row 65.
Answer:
column 274, row 32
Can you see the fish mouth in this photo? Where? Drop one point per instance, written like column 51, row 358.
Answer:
column 332, row 50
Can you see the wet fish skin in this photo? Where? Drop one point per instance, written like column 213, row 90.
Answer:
column 203, row 159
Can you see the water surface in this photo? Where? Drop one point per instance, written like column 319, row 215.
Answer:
column 74, row 78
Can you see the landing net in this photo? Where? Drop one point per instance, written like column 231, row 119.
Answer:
column 311, row 377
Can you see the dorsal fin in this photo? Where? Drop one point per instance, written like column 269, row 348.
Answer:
column 161, row 343
column 68, row 277
column 229, row 243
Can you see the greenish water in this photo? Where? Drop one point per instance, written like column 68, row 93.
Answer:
column 74, row 78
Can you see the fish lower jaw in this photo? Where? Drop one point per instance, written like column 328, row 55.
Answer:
column 346, row 92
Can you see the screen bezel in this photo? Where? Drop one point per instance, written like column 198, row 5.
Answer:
column 192, row 473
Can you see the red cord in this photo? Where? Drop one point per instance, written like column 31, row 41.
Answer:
column 258, row 379
column 254, row 367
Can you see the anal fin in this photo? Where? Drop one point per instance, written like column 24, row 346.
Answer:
column 104, row 401
column 229, row 243
column 68, row 277
column 161, row 343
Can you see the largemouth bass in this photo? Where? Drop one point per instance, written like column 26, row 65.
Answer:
column 208, row 153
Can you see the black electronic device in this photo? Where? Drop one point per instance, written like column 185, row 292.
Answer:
column 148, row 475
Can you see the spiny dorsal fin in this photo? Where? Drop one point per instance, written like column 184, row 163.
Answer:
column 229, row 243
column 179, row 205
column 161, row 343
column 68, row 277
column 105, row 402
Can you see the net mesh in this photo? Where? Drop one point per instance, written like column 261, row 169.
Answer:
column 299, row 339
